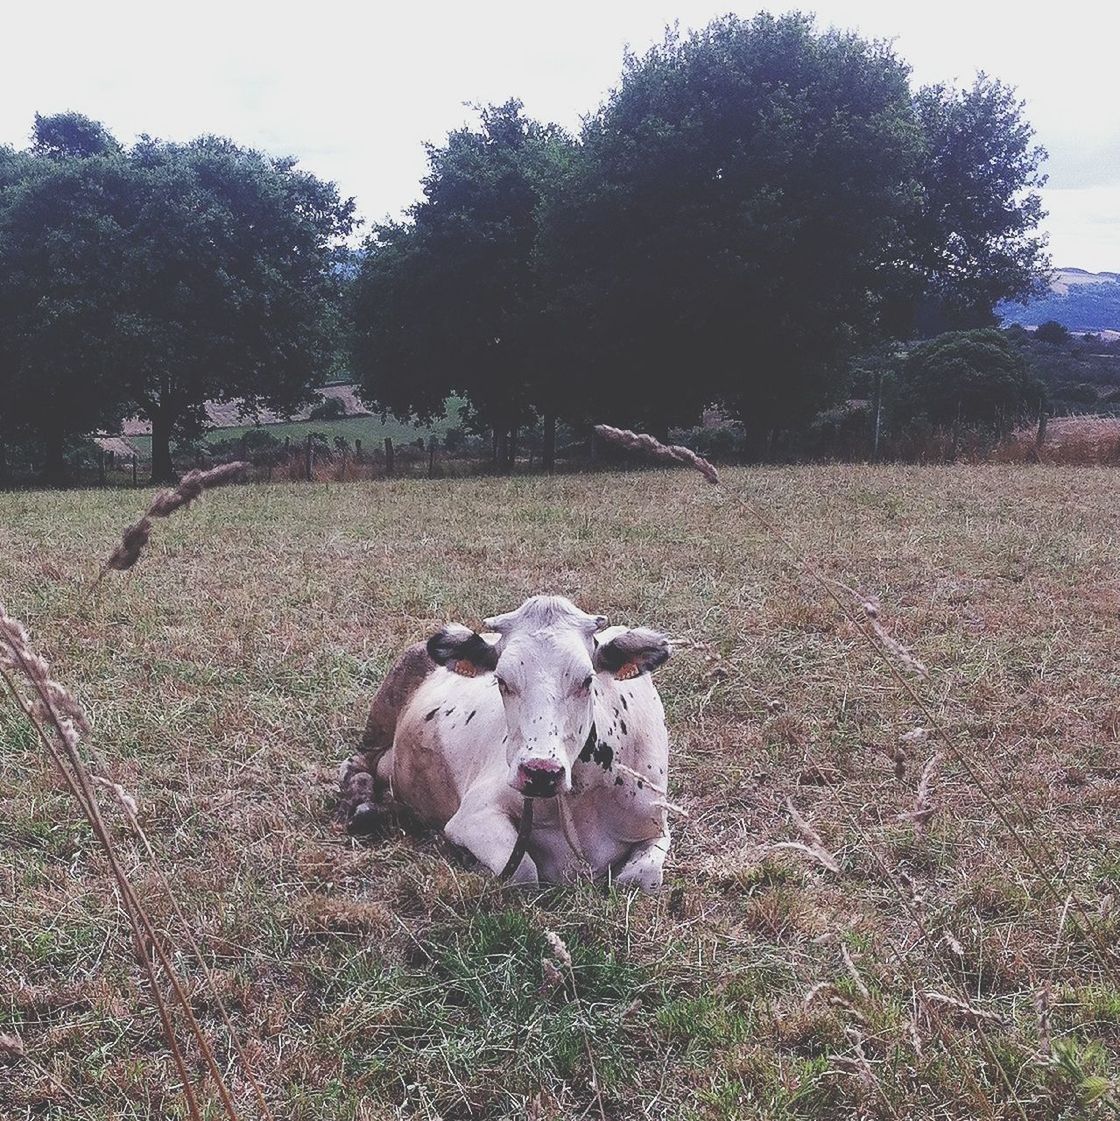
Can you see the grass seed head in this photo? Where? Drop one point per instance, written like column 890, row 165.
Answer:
column 559, row 949
column 165, row 503
column 133, row 540
column 643, row 442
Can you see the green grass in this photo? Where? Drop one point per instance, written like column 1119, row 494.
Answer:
column 371, row 430
column 229, row 672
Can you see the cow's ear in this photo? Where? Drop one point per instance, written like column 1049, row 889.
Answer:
column 632, row 653
column 462, row 651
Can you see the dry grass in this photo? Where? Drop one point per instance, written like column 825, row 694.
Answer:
column 1080, row 440
column 931, row 975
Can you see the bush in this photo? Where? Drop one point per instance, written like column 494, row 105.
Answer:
column 1052, row 332
column 975, row 378
column 330, row 408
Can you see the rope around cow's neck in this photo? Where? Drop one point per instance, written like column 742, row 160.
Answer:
column 525, row 828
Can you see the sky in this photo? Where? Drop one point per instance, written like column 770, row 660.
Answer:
column 355, row 91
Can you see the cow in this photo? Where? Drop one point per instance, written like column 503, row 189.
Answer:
column 551, row 714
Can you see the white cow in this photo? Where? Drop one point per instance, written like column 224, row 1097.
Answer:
column 551, row 707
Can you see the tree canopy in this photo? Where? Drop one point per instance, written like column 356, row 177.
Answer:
column 972, row 240
column 154, row 278
column 451, row 301
column 721, row 236
column 973, row 377
column 753, row 203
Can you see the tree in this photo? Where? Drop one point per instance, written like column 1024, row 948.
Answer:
column 974, row 377
column 64, row 233
column 234, row 292
column 1053, row 332
column 451, row 300
column 723, row 233
column 155, row 278
column 973, row 238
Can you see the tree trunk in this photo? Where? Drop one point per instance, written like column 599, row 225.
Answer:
column 163, row 470
column 54, row 462
column 548, row 448
column 501, row 450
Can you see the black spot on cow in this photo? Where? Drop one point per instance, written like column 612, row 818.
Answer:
column 618, row 781
column 448, row 711
column 622, row 725
column 595, row 751
column 432, row 713
column 622, row 698
column 471, row 717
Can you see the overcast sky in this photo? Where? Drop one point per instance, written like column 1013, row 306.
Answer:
column 354, row 92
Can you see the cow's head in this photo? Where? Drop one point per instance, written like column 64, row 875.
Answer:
column 545, row 661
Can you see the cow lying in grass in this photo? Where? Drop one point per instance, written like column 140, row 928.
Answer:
column 551, row 707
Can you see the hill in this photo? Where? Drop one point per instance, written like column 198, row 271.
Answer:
column 1082, row 301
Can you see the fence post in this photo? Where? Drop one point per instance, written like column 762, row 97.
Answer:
column 548, row 448
column 878, row 416
column 388, row 458
column 134, row 469
column 1040, row 439
column 101, row 468
column 357, row 451
column 431, row 456
column 309, row 459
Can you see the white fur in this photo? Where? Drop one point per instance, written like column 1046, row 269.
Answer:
column 457, row 773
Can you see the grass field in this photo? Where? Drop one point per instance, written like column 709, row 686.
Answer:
column 934, row 975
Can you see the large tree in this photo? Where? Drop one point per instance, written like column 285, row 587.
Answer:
column 451, row 299
column 723, row 234
column 155, row 278
column 235, row 286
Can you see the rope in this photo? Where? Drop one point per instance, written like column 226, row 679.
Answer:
column 524, row 828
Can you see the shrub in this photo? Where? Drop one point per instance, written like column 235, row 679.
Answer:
column 330, row 408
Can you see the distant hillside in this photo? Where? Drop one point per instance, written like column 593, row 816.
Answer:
column 1082, row 301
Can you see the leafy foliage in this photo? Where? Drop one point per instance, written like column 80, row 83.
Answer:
column 155, row 278
column 450, row 301
column 974, row 377
column 721, row 235
column 972, row 240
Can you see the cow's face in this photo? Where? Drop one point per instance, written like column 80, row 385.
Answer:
column 544, row 664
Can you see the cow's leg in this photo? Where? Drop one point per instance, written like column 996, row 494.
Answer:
column 488, row 831
column 645, row 865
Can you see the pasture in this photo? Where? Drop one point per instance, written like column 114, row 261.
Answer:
column 933, row 975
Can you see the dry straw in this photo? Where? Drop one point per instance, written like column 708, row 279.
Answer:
column 165, row 503
column 672, row 453
column 60, row 723
column 896, row 658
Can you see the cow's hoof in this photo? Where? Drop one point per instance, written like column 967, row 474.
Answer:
column 370, row 820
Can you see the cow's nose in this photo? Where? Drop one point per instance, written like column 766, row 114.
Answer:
column 539, row 778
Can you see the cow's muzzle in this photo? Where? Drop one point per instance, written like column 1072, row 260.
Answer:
column 539, row 778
